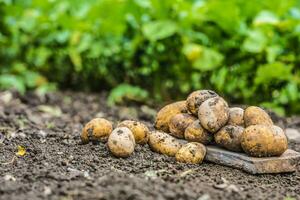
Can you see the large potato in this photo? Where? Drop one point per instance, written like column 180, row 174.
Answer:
column 213, row 114
column 121, row 142
column 192, row 153
column 97, row 129
column 255, row 115
column 164, row 115
column 196, row 133
column 196, row 98
column 236, row 116
column 139, row 130
column 230, row 137
column 164, row 143
column 179, row 122
column 264, row 141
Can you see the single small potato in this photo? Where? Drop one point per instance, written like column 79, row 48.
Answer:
column 179, row 122
column 230, row 137
column 164, row 115
column 139, row 130
column 196, row 133
column 196, row 98
column 164, row 143
column 121, row 142
column 256, row 116
column 97, row 129
column 213, row 114
column 192, row 153
column 264, row 141
column 236, row 117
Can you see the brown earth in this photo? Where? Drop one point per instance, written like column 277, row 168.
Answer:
column 57, row 166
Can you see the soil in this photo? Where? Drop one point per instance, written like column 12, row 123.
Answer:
column 57, row 166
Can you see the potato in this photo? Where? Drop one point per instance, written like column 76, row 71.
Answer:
column 195, row 99
column 164, row 143
column 213, row 114
column 164, row 115
column 192, row 153
column 230, row 137
column 121, row 142
column 236, row 117
column 139, row 130
column 264, row 141
column 179, row 122
column 196, row 133
column 97, row 129
column 256, row 116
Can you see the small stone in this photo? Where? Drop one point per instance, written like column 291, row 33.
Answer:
column 204, row 197
column 9, row 177
column 293, row 135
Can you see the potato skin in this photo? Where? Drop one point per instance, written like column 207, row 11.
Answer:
column 192, row 153
column 236, row 117
column 121, row 142
column 139, row 130
column 196, row 133
column 213, row 114
column 179, row 122
column 164, row 115
column 164, row 143
column 96, row 130
column 196, row 98
column 230, row 137
column 264, row 141
column 255, row 115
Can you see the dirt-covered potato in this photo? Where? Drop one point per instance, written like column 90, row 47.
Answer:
column 256, row 116
column 164, row 115
column 164, row 143
column 236, row 117
column 97, row 129
column 230, row 137
column 139, row 130
column 264, row 141
column 213, row 114
column 192, row 153
column 179, row 122
column 196, row 133
column 121, row 142
column 196, row 98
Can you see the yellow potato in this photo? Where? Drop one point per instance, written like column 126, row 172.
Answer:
column 196, row 133
column 164, row 143
column 179, row 122
column 97, row 129
column 164, row 115
column 139, row 130
column 213, row 114
column 236, row 117
column 256, row 116
column 230, row 137
column 192, row 153
column 121, row 142
column 264, row 141
column 196, row 98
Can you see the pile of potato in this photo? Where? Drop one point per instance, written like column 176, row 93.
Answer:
column 184, row 128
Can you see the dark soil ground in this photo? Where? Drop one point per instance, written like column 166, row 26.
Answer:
column 57, row 166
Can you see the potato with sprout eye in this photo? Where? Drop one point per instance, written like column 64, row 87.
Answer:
column 213, row 114
column 166, row 113
column 96, row 130
column 192, row 153
column 178, row 123
column 139, row 130
column 196, row 98
column 230, row 137
column 256, row 116
column 196, row 133
column 121, row 142
column 236, row 117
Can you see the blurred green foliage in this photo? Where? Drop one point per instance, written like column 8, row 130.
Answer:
column 248, row 51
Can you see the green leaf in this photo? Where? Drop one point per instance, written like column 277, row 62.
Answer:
column 255, row 42
column 208, row 60
column 8, row 81
column 265, row 17
column 157, row 30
